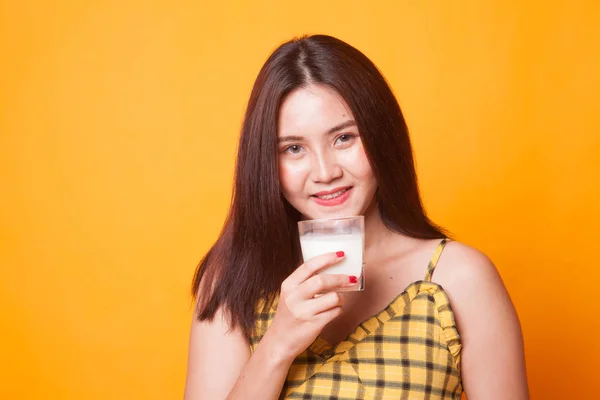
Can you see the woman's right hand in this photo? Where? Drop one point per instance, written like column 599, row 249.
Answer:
column 301, row 314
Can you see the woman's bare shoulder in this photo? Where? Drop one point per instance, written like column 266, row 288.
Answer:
column 462, row 266
column 485, row 317
column 216, row 356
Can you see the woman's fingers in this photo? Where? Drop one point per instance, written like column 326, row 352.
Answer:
column 327, row 316
column 320, row 284
column 313, row 308
column 312, row 266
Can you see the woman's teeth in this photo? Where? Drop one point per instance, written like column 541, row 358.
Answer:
column 333, row 195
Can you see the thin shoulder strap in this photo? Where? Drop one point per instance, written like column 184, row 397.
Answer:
column 434, row 260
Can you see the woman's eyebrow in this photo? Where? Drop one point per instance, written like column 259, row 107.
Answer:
column 289, row 139
column 343, row 125
column 339, row 127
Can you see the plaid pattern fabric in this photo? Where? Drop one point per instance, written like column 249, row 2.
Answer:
column 409, row 350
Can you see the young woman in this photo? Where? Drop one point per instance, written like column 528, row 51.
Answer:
column 324, row 137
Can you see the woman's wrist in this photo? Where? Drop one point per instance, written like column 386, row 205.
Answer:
column 275, row 353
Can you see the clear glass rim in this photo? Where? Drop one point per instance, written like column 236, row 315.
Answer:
column 307, row 221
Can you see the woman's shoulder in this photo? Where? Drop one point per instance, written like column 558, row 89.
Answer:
column 473, row 284
column 487, row 322
column 451, row 262
column 461, row 265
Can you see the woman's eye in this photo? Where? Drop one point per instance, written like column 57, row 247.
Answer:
column 293, row 149
column 344, row 138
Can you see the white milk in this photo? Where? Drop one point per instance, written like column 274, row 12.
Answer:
column 350, row 243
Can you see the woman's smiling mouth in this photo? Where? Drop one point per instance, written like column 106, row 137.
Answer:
column 333, row 197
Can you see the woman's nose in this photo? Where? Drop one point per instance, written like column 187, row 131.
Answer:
column 325, row 168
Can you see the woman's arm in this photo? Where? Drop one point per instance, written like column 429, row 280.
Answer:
column 492, row 360
column 219, row 359
column 220, row 365
column 216, row 358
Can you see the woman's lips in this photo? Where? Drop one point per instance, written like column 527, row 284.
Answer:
column 333, row 197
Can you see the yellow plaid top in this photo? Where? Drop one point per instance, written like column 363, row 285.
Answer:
column 409, row 350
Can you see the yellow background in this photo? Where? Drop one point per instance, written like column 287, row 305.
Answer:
column 118, row 127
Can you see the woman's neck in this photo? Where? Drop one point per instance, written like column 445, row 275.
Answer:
column 378, row 237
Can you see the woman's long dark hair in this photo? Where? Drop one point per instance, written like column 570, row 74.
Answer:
column 259, row 245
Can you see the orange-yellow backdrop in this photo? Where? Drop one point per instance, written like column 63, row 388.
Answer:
column 118, row 128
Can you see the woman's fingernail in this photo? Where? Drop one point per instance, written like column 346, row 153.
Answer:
column 353, row 279
column 339, row 253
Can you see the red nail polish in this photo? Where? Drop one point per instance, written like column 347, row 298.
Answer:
column 339, row 254
column 353, row 279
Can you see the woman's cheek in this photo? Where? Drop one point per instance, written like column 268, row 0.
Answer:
column 356, row 162
column 292, row 177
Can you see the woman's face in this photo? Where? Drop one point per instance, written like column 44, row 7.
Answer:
column 323, row 168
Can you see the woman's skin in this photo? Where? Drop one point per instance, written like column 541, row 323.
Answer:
column 320, row 152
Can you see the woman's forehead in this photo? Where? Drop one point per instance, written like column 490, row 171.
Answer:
column 312, row 109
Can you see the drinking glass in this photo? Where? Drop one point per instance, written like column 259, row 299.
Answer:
column 320, row 236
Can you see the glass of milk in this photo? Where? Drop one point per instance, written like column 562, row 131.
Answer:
column 320, row 236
